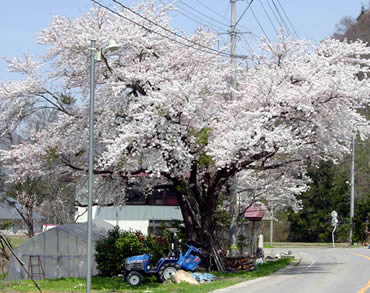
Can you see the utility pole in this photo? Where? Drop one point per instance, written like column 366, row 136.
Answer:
column 233, row 40
column 352, row 205
column 234, row 208
column 272, row 225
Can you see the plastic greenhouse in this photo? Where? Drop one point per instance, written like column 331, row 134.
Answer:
column 62, row 252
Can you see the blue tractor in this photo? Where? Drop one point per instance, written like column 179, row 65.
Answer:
column 139, row 265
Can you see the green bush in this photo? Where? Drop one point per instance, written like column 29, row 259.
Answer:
column 127, row 245
column 156, row 246
column 106, row 253
column 112, row 251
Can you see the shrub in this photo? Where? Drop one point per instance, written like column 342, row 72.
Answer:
column 156, row 246
column 112, row 251
column 106, row 253
column 129, row 244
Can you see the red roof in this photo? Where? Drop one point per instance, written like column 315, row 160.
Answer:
column 254, row 213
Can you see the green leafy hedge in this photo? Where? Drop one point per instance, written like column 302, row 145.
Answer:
column 112, row 251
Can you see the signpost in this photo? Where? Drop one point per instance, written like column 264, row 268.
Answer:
column 367, row 232
column 334, row 223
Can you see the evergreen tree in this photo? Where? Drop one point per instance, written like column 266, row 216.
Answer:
column 361, row 189
column 329, row 191
column 352, row 29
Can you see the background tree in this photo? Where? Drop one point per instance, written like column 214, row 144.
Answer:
column 328, row 191
column 354, row 28
column 361, row 188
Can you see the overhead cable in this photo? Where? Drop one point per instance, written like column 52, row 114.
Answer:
column 194, row 19
column 281, row 17
column 287, row 17
column 247, row 42
column 190, row 15
column 210, row 9
column 249, row 5
column 259, row 24
column 192, row 44
column 201, row 13
column 166, row 29
column 274, row 14
column 268, row 16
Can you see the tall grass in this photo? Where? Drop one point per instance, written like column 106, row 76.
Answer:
column 100, row 284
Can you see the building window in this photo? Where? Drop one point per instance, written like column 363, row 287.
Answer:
column 164, row 195
column 156, row 227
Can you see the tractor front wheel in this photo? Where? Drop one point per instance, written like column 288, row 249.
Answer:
column 134, row 278
column 168, row 270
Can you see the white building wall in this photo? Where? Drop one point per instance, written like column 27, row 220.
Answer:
column 131, row 216
column 132, row 225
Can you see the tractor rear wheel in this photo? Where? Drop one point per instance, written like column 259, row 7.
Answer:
column 134, row 278
column 167, row 271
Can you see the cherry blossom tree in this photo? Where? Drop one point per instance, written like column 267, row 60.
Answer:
column 167, row 108
column 272, row 188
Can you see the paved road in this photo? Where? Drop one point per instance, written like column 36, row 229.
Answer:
column 322, row 270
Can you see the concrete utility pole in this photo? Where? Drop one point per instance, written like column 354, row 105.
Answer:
column 234, row 207
column 272, row 226
column 352, row 206
column 91, row 165
column 233, row 40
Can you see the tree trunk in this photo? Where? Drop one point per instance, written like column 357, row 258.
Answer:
column 27, row 217
column 31, row 231
column 198, row 211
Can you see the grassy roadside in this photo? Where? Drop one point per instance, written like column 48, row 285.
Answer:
column 100, row 284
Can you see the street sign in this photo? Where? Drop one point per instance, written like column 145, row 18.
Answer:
column 334, row 223
column 334, row 219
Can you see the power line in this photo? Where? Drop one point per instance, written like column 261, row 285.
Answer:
column 190, row 15
column 150, row 30
column 245, row 10
column 164, row 28
column 194, row 19
column 282, row 19
column 259, row 24
column 257, row 38
column 274, row 14
column 199, row 47
column 287, row 17
column 268, row 16
column 247, row 42
column 210, row 9
column 201, row 13
column 227, row 9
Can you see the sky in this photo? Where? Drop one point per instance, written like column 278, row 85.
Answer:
column 22, row 20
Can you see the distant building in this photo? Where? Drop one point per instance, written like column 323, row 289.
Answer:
column 147, row 214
